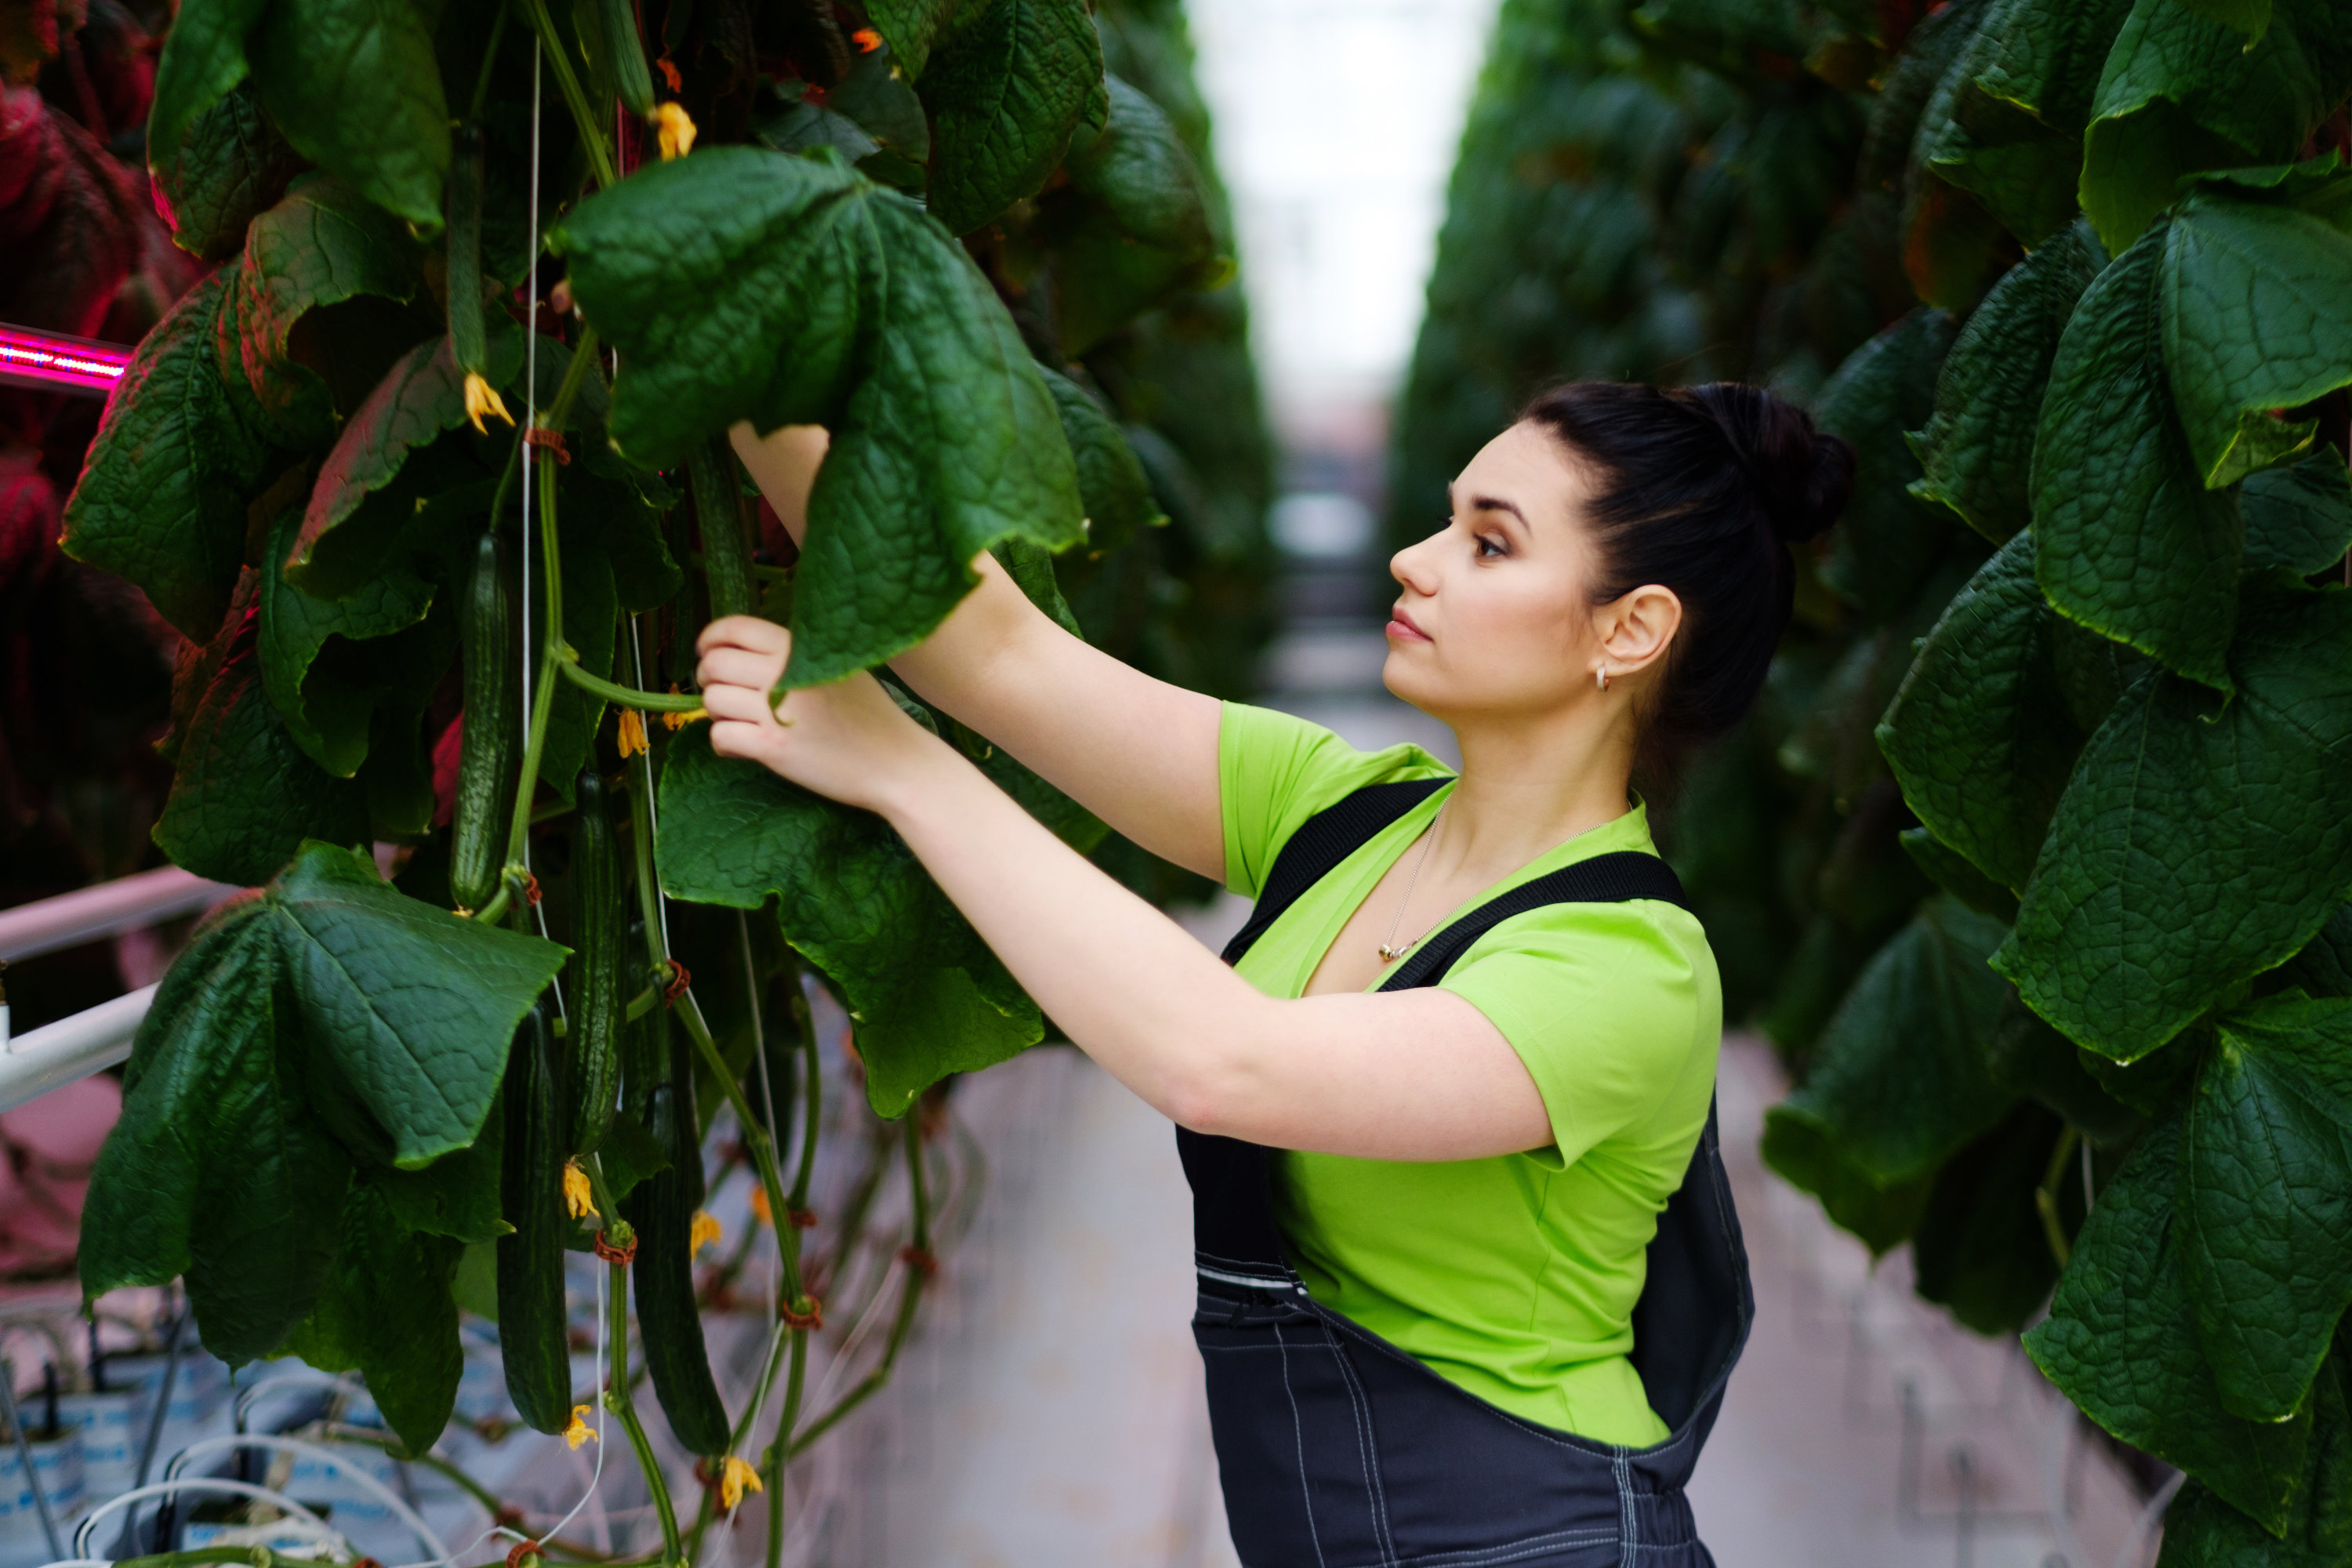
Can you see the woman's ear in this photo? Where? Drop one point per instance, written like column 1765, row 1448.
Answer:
column 1635, row 629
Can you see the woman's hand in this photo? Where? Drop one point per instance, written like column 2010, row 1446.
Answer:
column 848, row 740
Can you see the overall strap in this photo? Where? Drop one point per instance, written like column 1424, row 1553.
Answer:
column 1321, row 842
column 1612, row 879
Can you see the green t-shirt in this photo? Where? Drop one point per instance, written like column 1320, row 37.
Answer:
column 1513, row 1278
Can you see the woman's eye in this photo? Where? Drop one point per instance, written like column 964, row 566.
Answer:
column 1486, row 540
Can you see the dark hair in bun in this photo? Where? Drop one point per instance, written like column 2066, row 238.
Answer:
column 1701, row 489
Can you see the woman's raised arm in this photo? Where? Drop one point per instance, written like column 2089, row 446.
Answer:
column 1138, row 753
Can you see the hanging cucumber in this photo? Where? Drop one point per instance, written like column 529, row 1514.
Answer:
column 599, row 965
column 532, row 1336
column 486, row 764
column 662, row 1210
column 610, row 30
column 718, row 506
column 469, row 346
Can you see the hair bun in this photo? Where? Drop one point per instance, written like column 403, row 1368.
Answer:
column 1803, row 475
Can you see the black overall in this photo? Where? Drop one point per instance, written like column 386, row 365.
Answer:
column 1338, row 1450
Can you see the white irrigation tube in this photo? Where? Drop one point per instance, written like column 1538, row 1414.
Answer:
column 88, row 1524
column 124, row 904
column 343, row 1463
column 305, row 1376
column 57, row 1054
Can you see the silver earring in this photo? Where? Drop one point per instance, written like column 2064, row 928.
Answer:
column 1600, row 678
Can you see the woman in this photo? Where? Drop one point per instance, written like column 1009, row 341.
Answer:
column 1470, row 1033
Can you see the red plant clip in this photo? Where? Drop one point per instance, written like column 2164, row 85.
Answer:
column 921, row 1260
column 680, row 977
column 529, row 889
column 802, row 1219
column 540, row 436
column 623, row 1256
column 523, row 1550
column 812, row 1319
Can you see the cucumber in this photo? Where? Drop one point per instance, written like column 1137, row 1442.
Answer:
column 599, row 963
column 468, row 346
column 718, row 506
column 662, row 1210
column 531, row 1331
column 633, row 80
column 486, row 764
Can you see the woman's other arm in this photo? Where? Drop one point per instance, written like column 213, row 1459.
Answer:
column 1138, row 753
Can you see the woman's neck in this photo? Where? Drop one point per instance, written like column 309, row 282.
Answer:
column 1527, row 787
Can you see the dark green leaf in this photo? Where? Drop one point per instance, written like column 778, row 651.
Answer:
column 853, row 899
column 231, row 164
column 354, row 86
column 876, row 95
column 910, row 27
column 2298, row 515
column 326, row 716
column 2120, row 1342
column 2192, row 852
column 2266, row 1183
column 1951, row 870
column 2049, row 57
column 1005, row 91
column 1887, row 542
column 2027, row 1056
column 1980, row 1248
column 2182, row 92
column 743, row 284
column 1899, row 1080
column 591, row 616
column 2257, row 317
column 1975, row 453
column 177, row 457
column 458, row 1194
column 2201, row 1530
column 204, row 57
column 385, row 1311
column 1112, row 485
column 2131, row 541
column 2323, row 967
column 1809, row 1159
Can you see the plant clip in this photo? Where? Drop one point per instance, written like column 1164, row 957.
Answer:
column 521, row 1550
column 921, row 1260
column 680, row 977
column 802, row 1219
column 623, row 1256
column 509, row 1515
column 529, row 889
column 702, row 1474
column 812, row 1319
column 540, row 436
column 365, row 1562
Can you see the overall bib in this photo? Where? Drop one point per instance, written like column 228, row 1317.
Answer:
column 1338, row 1450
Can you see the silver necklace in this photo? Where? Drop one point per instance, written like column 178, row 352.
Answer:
column 1390, row 955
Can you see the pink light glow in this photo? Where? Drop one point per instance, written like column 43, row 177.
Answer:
column 51, row 362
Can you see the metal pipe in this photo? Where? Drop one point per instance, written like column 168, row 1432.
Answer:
column 59, row 1054
column 123, row 904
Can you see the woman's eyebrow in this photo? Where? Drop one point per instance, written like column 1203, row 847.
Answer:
column 1494, row 503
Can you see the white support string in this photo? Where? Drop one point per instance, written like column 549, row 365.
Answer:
column 530, row 407
column 637, row 662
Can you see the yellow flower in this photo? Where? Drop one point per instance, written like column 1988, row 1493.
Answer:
column 760, row 1210
column 579, row 1432
column 632, row 734
column 674, row 127
column 577, row 1196
column 482, row 398
column 676, row 721
column 733, row 1476
column 704, row 1232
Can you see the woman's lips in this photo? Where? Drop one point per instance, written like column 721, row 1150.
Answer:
column 1400, row 627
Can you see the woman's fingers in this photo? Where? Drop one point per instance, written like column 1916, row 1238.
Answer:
column 729, row 666
column 747, row 703
column 746, row 631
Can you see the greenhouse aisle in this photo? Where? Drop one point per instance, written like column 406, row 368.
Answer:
column 1861, row 1431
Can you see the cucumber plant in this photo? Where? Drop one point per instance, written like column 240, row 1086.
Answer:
column 2034, row 858
column 432, row 473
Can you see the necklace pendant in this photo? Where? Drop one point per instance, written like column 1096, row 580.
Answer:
column 1391, row 953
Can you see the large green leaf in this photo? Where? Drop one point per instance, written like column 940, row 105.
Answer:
column 2257, row 317
column 217, row 1170
column 1135, row 226
column 2299, row 515
column 204, row 57
column 385, row 1311
column 231, row 164
column 745, row 284
column 2201, row 1530
column 1980, row 1249
column 355, row 87
column 1005, row 90
column 1887, row 542
column 1979, row 736
column 2048, row 57
column 1809, row 1159
column 2131, row 543
column 2182, row 92
column 2192, row 852
column 1111, row 481
column 1898, row 1080
column 912, row 26
column 2028, row 1058
column 591, row 616
column 320, row 245
column 854, row 900
column 1976, row 451
column 178, row 456
column 327, row 715
column 2266, row 1183
column 2121, row 1342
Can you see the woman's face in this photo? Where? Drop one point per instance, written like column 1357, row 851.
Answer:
column 1495, row 611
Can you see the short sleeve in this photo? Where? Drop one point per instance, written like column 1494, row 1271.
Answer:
column 1275, row 770
column 1601, row 1004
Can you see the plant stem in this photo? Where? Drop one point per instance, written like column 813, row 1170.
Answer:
column 2045, row 1196
column 755, row 1139
column 259, row 1556
column 567, row 82
column 627, row 696
column 910, row 1294
column 490, row 56
column 618, row 1401
column 759, row 569
column 726, row 554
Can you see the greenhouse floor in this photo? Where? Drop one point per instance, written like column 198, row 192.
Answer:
column 1058, row 1421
